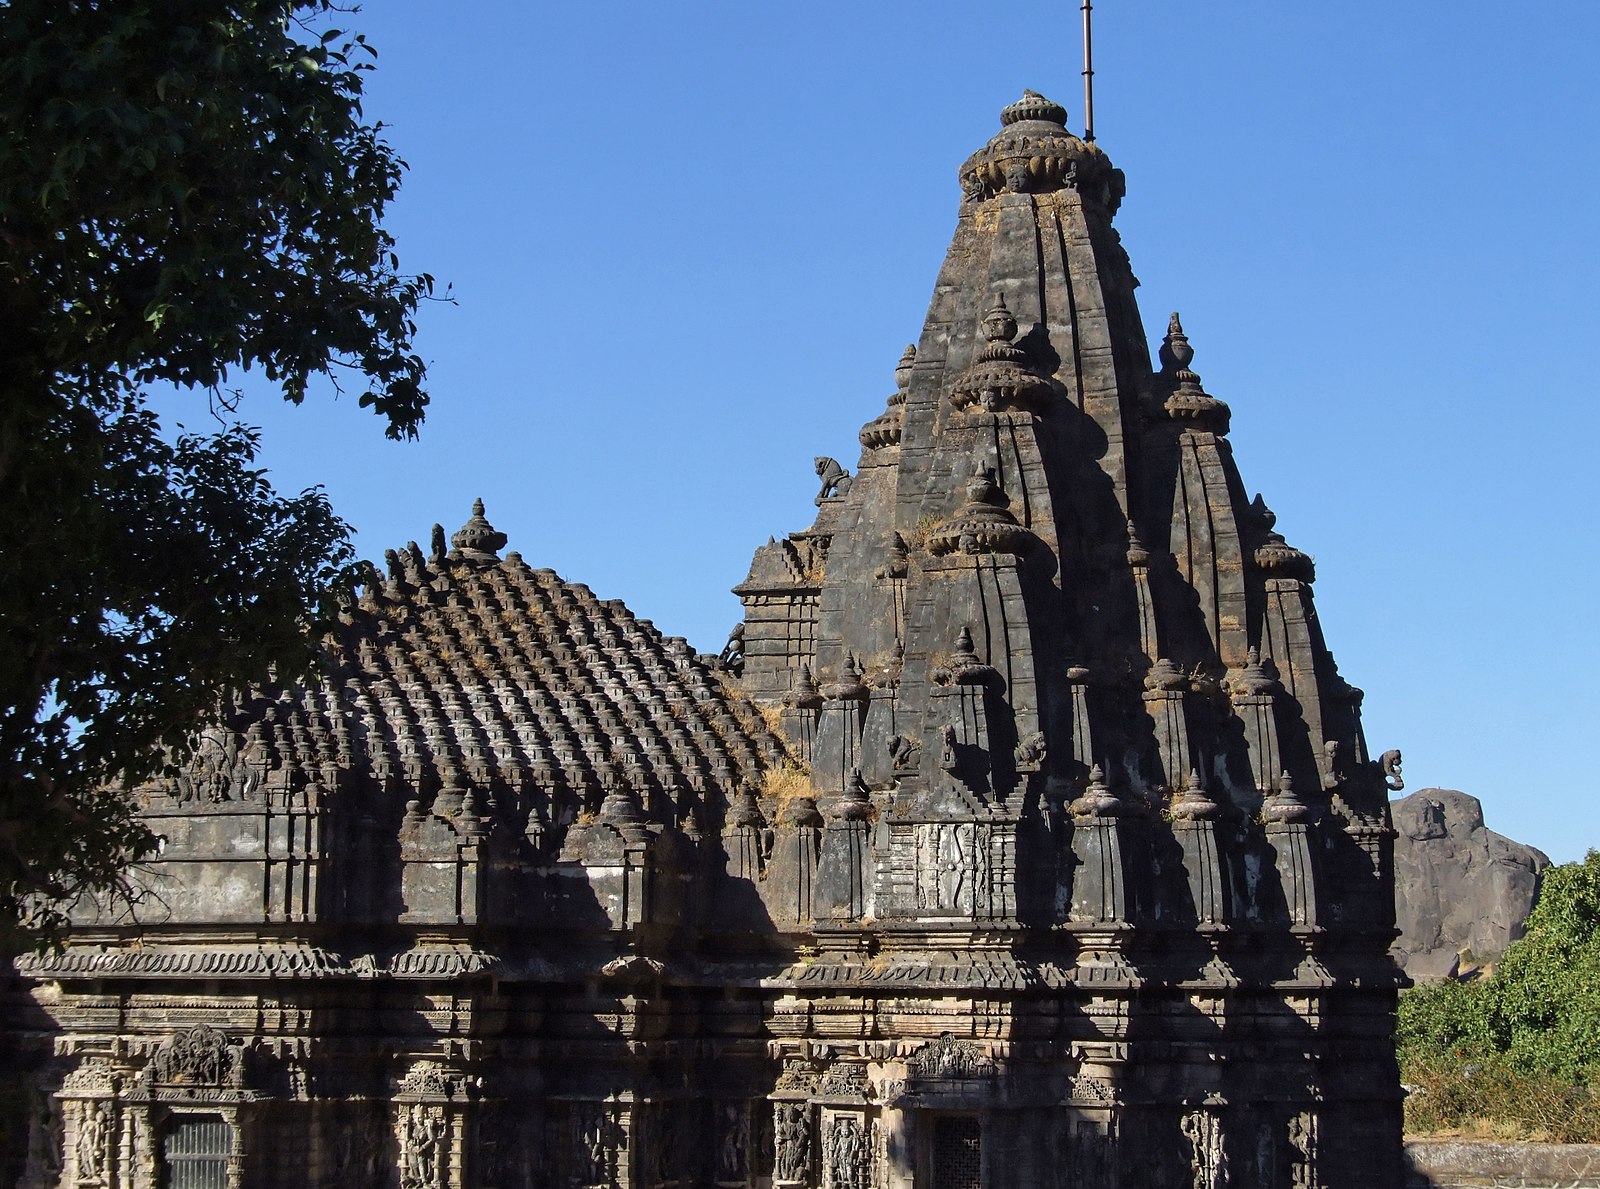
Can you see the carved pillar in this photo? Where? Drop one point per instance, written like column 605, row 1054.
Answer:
column 844, row 873
column 877, row 738
column 1081, row 758
column 1194, row 824
column 1139, row 562
column 1254, row 690
column 795, row 852
column 1165, row 691
column 1102, row 906
column 1288, row 821
column 838, row 746
column 960, row 699
column 743, row 837
column 798, row 718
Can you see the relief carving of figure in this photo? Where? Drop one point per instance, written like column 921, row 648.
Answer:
column 1303, row 1150
column 218, row 769
column 1030, row 752
column 94, row 1136
column 847, row 1154
column 905, row 752
column 1208, row 1162
column 599, row 1141
column 793, row 1134
column 734, row 1125
column 422, row 1148
column 199, row 1056
column 1390, row 762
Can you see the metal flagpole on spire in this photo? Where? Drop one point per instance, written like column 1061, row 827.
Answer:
column 1088, row 73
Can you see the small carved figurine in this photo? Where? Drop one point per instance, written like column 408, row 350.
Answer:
column 732, row 656
column 1389, row 761
column 835, row 480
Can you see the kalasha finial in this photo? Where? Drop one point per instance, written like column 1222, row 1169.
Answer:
column 477, row 539
column 1194, row 803
column 984, row 488
column 1176, row 353
column 1033, row 106
column 965, row 652
column 1187, row 400
column 902, row 370
column 998, row 323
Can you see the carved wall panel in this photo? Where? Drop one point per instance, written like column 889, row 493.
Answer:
column 952, row 860
column 847, row 1153
column 424, row 1137
column 792, row 1128
column 1208, row 1158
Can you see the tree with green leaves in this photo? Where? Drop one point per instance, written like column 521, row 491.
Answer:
column 188, row 190
column 1522, row 1046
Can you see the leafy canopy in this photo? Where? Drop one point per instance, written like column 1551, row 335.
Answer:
column 188, row 189
column 1533, row 1026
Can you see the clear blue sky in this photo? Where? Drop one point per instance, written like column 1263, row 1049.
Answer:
column 689, row 241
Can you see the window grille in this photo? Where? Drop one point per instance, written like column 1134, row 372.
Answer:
column 194, row 1152
column 957, row 1153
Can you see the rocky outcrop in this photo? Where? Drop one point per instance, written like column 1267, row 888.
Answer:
column 1458, row 885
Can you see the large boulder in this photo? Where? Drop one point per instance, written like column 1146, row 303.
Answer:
column 1458, row 885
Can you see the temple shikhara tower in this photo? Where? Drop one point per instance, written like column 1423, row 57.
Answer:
column 1025, row 834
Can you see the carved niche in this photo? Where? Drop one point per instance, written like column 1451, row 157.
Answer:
column 423, row 1134
column 598, row 1143
column 424, row 1125
column 92, row 1152
column 847, row 1157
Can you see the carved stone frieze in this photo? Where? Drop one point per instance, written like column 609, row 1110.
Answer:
column 949, row 1059
column 200, row 1056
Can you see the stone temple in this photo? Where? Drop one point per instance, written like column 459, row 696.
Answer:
column 1024, row 834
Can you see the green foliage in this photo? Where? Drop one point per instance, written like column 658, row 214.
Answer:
column 187, row 189
column 1490, row 1098
column 1521, row 1047
column 188, row 186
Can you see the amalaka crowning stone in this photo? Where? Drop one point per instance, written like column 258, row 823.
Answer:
column 1005, row 844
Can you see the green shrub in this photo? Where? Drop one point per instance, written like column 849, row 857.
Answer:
column 1519, row 1050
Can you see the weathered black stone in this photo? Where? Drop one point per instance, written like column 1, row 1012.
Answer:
column 1025, row 820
